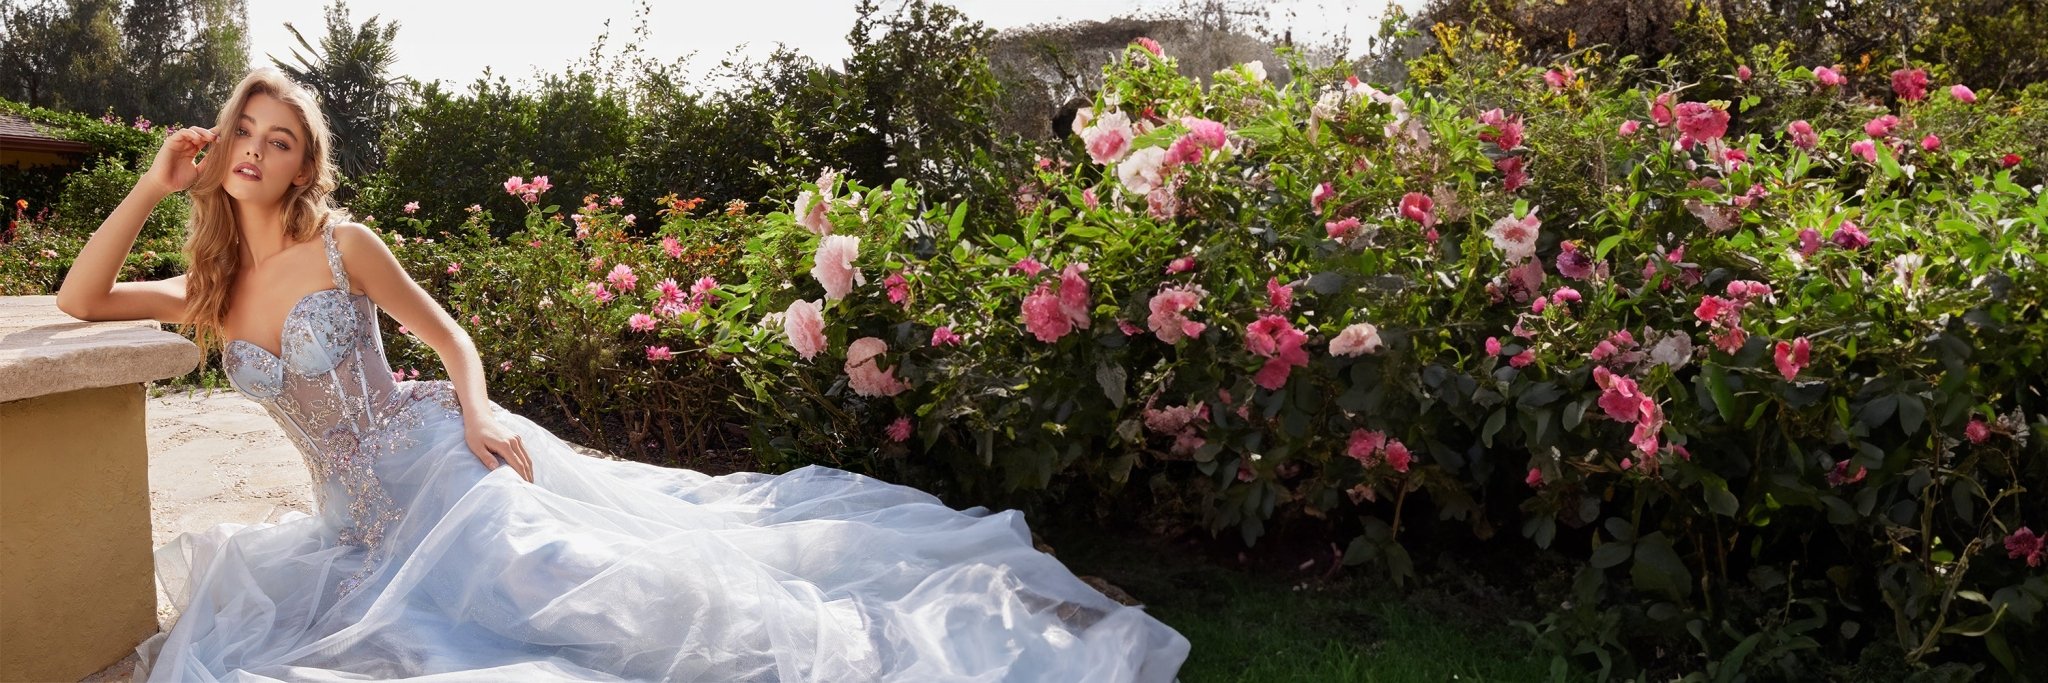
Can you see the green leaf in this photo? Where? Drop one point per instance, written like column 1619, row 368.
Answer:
column 1540, row 394
column 1719, row 499
column 1724, row 398
column 1494, row 422
column 1912, row 412
column 1112, row 379
column 1658, row 567
column 1612, row 554
column 1600, row 252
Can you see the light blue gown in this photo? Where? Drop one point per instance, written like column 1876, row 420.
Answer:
column 423, row 565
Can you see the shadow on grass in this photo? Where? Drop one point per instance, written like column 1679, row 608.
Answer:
column 1249, row 626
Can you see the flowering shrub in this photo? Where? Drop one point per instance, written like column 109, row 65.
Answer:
column 1767, row 363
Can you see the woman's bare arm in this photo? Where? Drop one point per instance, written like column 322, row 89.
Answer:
column 89, row 291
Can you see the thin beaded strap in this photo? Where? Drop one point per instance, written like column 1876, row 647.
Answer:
column 334, row 258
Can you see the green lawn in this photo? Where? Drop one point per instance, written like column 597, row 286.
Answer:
column 1271, row 628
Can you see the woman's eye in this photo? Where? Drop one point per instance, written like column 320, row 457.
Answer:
column 280, row 144
column 241, row 131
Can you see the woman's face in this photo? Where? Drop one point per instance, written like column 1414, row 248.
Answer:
column 265, row 151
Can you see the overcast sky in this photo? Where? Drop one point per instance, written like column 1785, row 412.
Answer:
column 454, row 41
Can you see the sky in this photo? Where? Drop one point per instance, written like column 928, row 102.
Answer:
column 454, row 41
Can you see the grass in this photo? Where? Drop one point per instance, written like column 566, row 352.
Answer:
column 1246, row 626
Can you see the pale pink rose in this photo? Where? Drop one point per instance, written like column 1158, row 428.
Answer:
column 1169, row 308
column 1357, row 339
column 673, row 248
column 1209, row 134
column 899, row 431
column 414, row 207
column 1628, row 128
column 1108, row 137
column 1962, row 93
column 1516, row 237
column 622, row 277
column 804, row 324
column 810, row 209
column 1083, row 117
column 833, row 265
column 1143, row 170
column 864, row 373
column 1180, row 265
column 641, row 322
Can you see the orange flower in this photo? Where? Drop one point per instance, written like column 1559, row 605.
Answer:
column 21, row 205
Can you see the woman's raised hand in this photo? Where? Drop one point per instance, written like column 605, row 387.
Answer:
column 174, row 169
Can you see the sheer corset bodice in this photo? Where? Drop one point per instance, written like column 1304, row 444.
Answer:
column 333, row 393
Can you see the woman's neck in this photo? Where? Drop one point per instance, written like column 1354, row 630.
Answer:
column 262, row 228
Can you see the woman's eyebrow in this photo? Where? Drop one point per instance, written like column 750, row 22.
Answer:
column 280, row 129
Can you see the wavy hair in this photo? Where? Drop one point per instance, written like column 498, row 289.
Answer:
column 213, row 241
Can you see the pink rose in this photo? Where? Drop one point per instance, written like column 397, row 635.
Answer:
column 1042, row 315
column 1279, row 297
column 864, row 373
column 944, row 336
column 1962, row 93
column 899, row 431
column 2024, row 544
column 1169, row 320
column 673, row 248
column 1342, row 229
column 811, row 210
column 1792, row 356
column 1865, row 149
column 1828, row 78
column 1322, row 193
column 1700, row 122
column 1493, row 346
column 1977, row 431
column 1418, row 207
column 641, row 322
column 1930, row 143
column 659, row 353
column 622, row 277
column 1029, row 266
column 1516, row 237
column 1802, row 135
column 1074, row 294
column 1534, row 478
column 804, row 324
column 1180, row 265
column 1880, row 126
column 1108, row 138
column 1628, row 128
column 833, row 265
column 1503, row 130
column 1660, row 110
column 1742, row 73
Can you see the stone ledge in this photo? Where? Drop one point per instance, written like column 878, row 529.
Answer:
column 43, row 351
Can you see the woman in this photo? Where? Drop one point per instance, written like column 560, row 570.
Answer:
column 457, row 541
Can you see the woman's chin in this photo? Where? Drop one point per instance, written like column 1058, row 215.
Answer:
column 246, row 191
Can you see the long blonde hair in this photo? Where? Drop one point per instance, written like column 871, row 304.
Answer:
column 213, row 243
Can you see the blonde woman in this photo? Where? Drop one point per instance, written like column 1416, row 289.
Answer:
column 457, row 540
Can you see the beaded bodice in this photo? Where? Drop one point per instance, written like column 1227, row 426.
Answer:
column 332, row 391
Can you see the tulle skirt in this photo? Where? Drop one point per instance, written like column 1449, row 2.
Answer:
column 606, row 570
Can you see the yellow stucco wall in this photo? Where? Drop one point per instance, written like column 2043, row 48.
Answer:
column 77, row 582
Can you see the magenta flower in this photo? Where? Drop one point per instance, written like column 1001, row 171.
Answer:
column 1564, row 295
column 1699, row 122
column 1660, row 110
column 1628, row 128
column 1962, row 93
column 1792, row 356
column 899, row 431
column 1418, row 207
column 1275, row 339
column 944, row 336
column 670, row 300
column 1180, row 265
column 1512, row 176
column 659, row 353
column 1977, row 431
column 1557, row 79
column 1534, row 479
column 673, row 248
column 899, row 288
column 2009, row 161
column 1881, row 126
column 1828, row 78
column 1850, row 237
column 1524, row 359
column 1619, row 395
column 2027, row 545
column 1074, row 301
column 1321, row 194
column 598, row 291
column 1504, row 130
column 1742, row 73
column 1809, row 242
column 1029, row 266
column 1363, row 445
column 1151, row 46
column 1573, row 262
column 1398, row 456
column 641, row 322
column 1910, row 84
column 454, row 268
column 1803, row 135
column 1865, row 149
column 1537, row 307
column 1930, row 143
column 1493, row 346
column 1279, row 297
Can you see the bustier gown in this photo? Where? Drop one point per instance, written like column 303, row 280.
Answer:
column 423, row 564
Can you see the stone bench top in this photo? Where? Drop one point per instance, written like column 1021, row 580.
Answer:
column 43, row 351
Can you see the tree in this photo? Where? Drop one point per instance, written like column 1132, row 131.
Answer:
column 350, row 72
